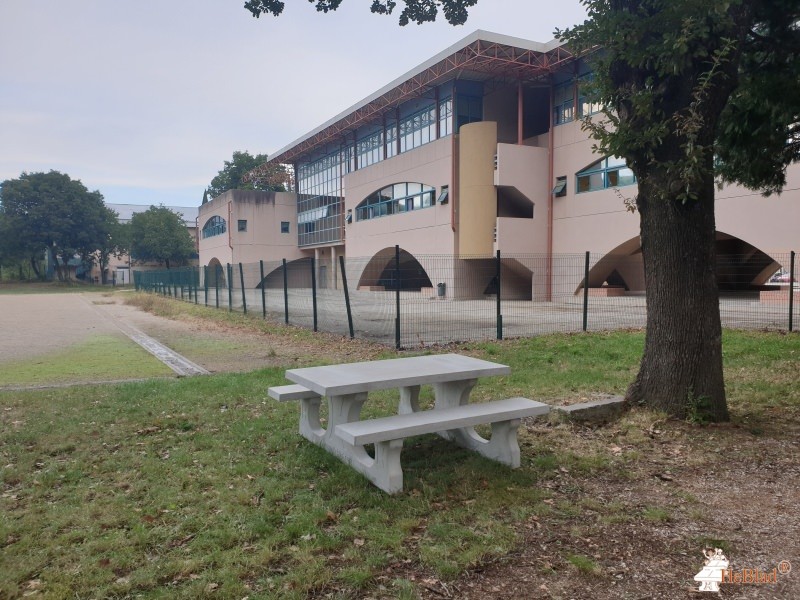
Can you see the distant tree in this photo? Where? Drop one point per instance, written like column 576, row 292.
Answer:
column 205, row 196
column 233, row 175
column 160, row 235
column 54, row 214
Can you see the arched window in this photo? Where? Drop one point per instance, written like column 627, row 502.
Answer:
column 396, row 198
column 214, row 226
column 607, row 173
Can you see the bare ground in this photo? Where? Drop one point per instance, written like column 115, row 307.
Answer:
column 639, row 528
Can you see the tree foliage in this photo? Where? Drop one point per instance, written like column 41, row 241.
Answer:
column 50, row 212
column 414, row 11
column 234, row 175
column 160, row 235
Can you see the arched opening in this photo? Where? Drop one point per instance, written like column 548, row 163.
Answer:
column 298, row 275
column 740, row 266
column 215, row 274
column 381, row 273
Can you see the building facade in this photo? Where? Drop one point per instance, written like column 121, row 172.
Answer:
column 480, row 149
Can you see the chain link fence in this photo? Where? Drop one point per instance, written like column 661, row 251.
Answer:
column 405, row 301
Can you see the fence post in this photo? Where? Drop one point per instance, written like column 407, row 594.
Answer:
column 586, row 292
column 205, row 284
column 499, row 313
column 229, row 271
column 263, row 293
column 241, row 280
column 346, row 297
column 397, row 296
column 314, row 289
column 285, row 294
column 791, row 290
column 217, row 273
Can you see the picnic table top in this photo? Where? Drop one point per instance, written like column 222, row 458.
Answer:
column 352, row 378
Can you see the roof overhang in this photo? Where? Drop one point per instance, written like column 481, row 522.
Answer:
column 482, row 55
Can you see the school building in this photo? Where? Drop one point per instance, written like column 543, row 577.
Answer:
column 477, row 150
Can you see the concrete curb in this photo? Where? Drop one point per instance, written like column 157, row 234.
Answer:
column 595, row 411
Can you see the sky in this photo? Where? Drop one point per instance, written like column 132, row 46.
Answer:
column 144, row 100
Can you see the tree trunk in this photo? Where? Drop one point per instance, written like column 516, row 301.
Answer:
column 34, row 266
column 681, row 370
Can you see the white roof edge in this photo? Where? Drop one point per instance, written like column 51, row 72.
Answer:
column 476, row 35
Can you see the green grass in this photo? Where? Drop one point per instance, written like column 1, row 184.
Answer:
column 100, row 358
column 201, row 487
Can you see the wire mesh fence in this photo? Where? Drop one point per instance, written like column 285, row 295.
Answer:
column 409, row 301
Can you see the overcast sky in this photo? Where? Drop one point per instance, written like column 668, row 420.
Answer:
column 144, row 100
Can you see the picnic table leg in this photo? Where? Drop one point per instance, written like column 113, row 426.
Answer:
column 449, row 395
column 409, row 400
column 310, row 426
column 502, row 446
column 384, row 469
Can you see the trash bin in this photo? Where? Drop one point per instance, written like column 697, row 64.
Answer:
column 440, row 289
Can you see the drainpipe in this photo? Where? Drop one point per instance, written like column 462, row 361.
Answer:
column 454, row 160
column 550, row 169
column 230, row 228
column 519, row 113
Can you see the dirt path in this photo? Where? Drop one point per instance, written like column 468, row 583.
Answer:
column 37, row 324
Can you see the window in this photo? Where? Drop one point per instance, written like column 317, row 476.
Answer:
column 284, row 226
column 214, row 226
column 445, row 117
column 469, row 109
column 418, row 129
column 560, row 190
column 319, row 201
column 442, row 199
column 563, row 104
column 391, row 140
column 393, row 199
column 610, row 172
column 586, row 105
column 369, row 150
column 242, row 225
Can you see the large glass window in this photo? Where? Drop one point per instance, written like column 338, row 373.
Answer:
column 418, row 129
column 610, row 172
column 369, row 150
column 469, row 109
column 214, row 226
column 563, row 104
column 319, row 186
column 394, row 199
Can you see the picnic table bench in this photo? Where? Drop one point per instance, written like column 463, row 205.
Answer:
column 452, row 377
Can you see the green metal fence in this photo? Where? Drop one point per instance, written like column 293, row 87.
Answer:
column 407, row 301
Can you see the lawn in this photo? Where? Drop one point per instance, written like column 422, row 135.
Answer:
column 201, row 487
